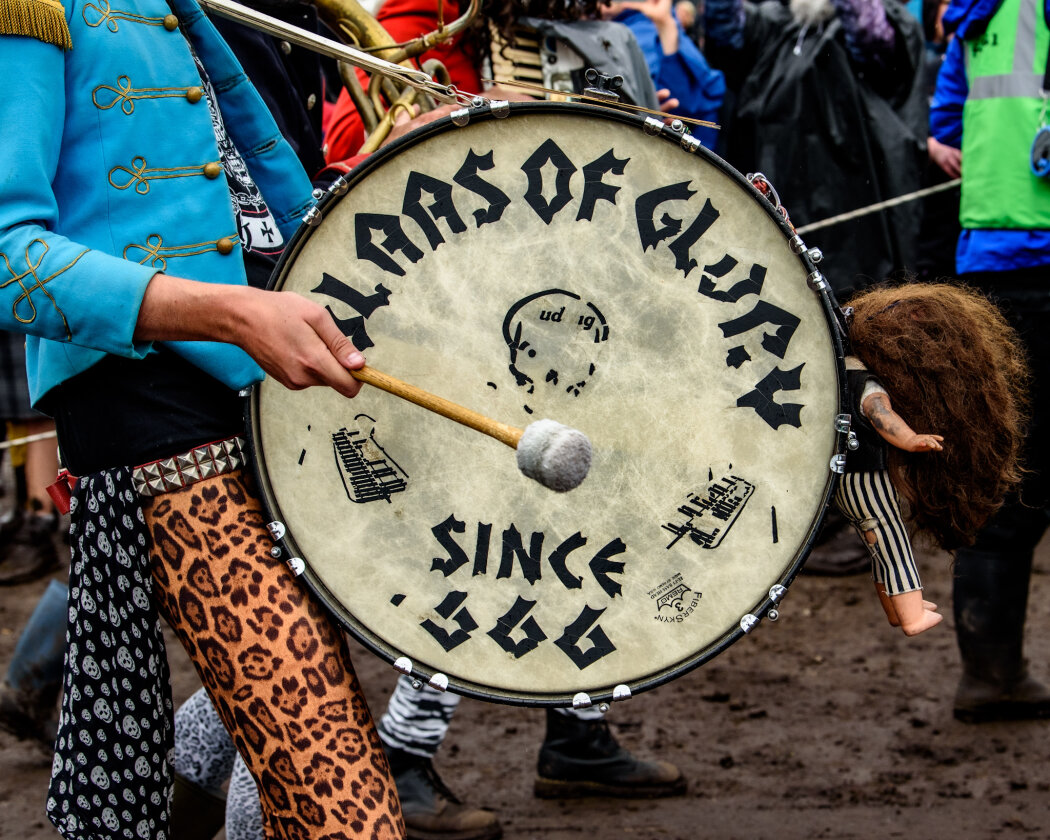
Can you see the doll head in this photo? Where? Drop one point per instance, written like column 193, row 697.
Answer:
column 952, row 365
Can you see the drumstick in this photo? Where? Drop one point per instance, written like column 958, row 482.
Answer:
column 554, row 455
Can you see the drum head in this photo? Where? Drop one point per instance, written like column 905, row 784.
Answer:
column 558, row 263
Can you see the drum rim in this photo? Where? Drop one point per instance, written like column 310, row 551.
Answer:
column 285, row 546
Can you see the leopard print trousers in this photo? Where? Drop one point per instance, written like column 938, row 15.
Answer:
column 274, row 663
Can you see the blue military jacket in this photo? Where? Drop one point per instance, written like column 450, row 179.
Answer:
column 109, row 174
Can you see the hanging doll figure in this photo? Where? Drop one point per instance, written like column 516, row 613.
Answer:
column 927, row 359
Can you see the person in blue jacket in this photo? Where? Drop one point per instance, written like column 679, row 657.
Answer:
column 145, row 189
column 989, row 103
column 675, row 62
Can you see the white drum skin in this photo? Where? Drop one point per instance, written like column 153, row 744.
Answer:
column 559, row 263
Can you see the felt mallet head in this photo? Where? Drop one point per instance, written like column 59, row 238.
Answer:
column 554, row 455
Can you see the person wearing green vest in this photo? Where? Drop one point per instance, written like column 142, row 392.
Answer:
column 990, row 103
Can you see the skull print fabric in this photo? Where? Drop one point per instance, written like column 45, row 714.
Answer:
column 111, row 774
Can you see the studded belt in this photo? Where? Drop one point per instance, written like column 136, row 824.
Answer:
column 207, row 461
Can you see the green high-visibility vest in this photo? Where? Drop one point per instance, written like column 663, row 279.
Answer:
column 1004, row 69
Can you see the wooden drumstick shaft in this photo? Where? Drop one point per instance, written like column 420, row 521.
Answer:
column 439, row 405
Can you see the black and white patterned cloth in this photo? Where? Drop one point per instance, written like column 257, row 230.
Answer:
column 111, row 776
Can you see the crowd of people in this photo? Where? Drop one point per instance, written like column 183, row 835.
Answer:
column 158, row 162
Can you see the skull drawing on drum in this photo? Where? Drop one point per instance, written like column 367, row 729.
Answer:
column 558, row 263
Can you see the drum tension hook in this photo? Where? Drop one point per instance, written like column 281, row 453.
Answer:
column 603, row 87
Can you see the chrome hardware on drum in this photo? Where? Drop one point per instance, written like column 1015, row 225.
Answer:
column 577, row 264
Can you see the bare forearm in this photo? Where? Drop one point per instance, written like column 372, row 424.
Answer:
column 176, row 309
column 293, row 339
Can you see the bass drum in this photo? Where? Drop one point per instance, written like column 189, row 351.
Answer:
column 566, row 262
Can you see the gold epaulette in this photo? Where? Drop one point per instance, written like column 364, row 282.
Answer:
column 44, row 20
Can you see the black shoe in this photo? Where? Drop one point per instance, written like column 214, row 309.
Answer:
column 196, row 813
column 582, row 758
column 32, row 553
column 430, row 809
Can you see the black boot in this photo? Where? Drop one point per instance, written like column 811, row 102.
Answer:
column 430, row 809
column 582, row 758
column 31, row 554
column 990, row 600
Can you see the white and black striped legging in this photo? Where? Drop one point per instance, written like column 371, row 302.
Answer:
column 870, row 502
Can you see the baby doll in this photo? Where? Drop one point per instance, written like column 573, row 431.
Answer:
column 945, row 358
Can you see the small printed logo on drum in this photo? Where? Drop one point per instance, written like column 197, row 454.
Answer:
column 709, row 514
column 555, row 340
column 675, row 601
column 367, row 471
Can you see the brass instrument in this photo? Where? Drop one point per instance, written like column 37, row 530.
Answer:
column 369, row 47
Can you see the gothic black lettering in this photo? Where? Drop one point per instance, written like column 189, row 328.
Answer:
column 574, row 632
column 457, row 556
column 765, row 313
column 481, row 551
column 468, row 178
column 594, row 189
column 707, row 216
column 441, row 208
column 601, row 567
column 396, row 240
column 751, row 285
column 559, row 557
column 645, row 212
column 548, row 152
column 464, row 620
column 509, row 620
column 529, row 560
column 761, row 399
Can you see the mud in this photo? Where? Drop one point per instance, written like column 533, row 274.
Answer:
column 825, row 724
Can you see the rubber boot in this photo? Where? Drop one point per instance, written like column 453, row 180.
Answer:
column 30, row 690
column 990, row 601
column 582, row 758
column 432, row 811
column 196, row 813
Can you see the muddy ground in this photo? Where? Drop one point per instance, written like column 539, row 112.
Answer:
column 826, row 724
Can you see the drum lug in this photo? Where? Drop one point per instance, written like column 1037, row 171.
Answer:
column 652, row 125
column 690, row 143
column 461, row 117
column 838, row 464
column 312, row 217
column 245, row 392
column 748, row 622
column 581, row 700
column 276, row 529
column 621, row 692
column 843, row 423
column 297, row 565
column 439, row 682
column 816, row 281
column 404, row 665
column 500, row 108
column 796, row 244
column 339, row 186
column 776, row 592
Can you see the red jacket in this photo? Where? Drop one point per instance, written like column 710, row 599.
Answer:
column 404, row 20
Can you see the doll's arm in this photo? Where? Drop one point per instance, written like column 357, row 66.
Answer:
column 892, row 428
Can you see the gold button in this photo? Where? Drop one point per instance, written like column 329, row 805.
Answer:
column 171, row 23
column 194, row 95
column 212, row 170
column 311, row 101
column 224, row 246
column 286, row 48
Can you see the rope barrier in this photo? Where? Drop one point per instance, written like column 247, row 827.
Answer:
column 875, row 208
column 7, row 444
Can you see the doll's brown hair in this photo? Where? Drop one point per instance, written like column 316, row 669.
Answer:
column 952, row 365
